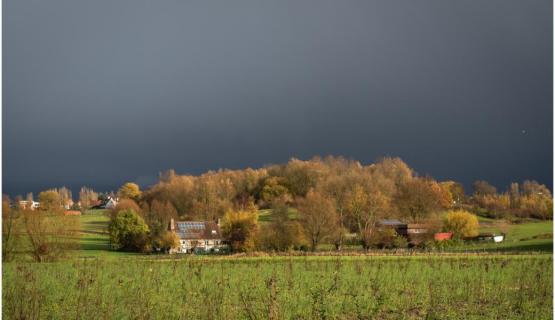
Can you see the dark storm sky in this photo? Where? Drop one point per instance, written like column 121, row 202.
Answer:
column 102, row 92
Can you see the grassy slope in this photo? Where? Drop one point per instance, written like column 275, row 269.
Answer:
column 94, row 239
column 521, row 237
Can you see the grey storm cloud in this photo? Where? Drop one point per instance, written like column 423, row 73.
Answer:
column 101, row 92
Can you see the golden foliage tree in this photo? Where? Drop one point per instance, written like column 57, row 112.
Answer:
column 125, row 204
column 461, row 223
column 240, row 229
column 169, row 241
column 365, row 209
column 130, row 190
column 49, row 200
column 317, row 217
column 418, row 199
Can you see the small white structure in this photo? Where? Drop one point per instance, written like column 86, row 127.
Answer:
column 197, row 235
column 68, row 204
column 498, row 238
column 29, row 205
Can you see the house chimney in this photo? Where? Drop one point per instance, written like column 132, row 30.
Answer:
column 172, row 225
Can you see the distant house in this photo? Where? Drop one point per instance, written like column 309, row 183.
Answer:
column 68, row 205
column 108, row 203
column 197, row 236
column 414, row 232
column 111, row 203
column 392, row 223
column 29, row 204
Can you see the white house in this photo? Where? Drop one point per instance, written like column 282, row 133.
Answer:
column 110, row 203
column 197, row 235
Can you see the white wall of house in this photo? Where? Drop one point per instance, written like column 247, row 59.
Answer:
column 189, row 245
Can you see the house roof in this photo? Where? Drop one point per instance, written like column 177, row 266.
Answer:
column 190, row 230
column 391, row 222
column 417, row 226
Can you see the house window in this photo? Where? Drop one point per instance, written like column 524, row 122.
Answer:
column 205, row 242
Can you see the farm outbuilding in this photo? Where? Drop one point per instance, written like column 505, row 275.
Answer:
column 440, row 236
column 414, row 232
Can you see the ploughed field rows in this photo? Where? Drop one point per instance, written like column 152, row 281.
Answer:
column 450, row 287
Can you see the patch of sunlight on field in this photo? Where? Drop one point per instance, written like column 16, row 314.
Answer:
column 265, row 215
column 528, row 236
column 94, row 238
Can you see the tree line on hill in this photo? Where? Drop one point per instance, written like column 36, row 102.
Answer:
column 332, row 200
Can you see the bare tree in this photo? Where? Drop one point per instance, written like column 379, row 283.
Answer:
column 365, row 209
column 87, row 197
column 51, row 234
column 9, row 221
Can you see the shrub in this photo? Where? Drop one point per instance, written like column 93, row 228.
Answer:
column 168, row 241
column 400, row 242
column 125, row 204
column 461, row 223
column 128, row 231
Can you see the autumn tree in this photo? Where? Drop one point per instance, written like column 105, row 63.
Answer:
column 87, row 197
column 461, row 223
column 393, row 169
column 533, row 187
column 158, row 217
column 282, row 233
column 418, row 199
column 483, row 188
column 365, row 210
column 128, row 231
column 537, row 205
column 240, row 229
column 168, row 241
column 455, row 189
column 273, row 189
column 125, row 204
column 130, row 190
column 49, row 200
column 514, row 194
column 317, row 217
column 66, row 198
column 337, row 188
column 301, row 176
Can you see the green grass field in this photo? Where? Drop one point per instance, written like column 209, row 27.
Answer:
column 499, row 281
column 528, row 236
column 421, row 287
column 94, row 239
